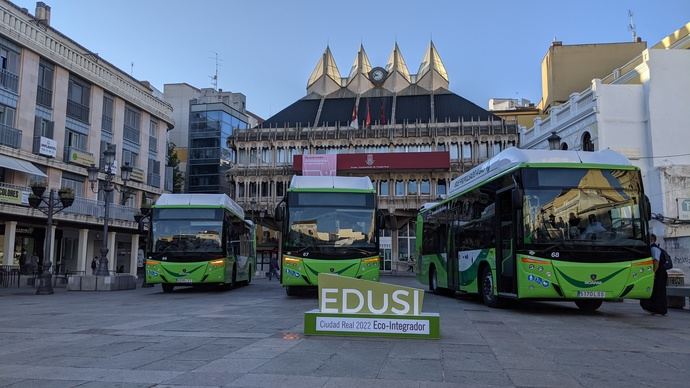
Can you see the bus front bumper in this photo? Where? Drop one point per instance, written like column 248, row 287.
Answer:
column 185, row 273
column 305, row 272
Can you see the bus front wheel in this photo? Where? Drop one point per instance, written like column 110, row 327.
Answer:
column 486, row 284
column 167, row 288
column 433, row 281
column 291, row 291
column 589, row 306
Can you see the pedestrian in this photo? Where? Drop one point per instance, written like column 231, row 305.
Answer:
column 22, row 261
column 273, row 269
column 656, row 304
column 94, row 265
column 33, row 263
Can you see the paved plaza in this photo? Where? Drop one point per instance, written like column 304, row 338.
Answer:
column 252, row 337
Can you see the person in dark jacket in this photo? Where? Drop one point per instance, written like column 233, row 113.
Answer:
column 656, row 304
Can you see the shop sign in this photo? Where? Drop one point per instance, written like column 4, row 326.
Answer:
column 350, row 306
column 386, row 242
column 47, row 147
column 14, row 196
column 684, row 208
column 137, row 175
column 81, row 158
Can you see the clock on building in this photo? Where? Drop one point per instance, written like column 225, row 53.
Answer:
column 377, row 75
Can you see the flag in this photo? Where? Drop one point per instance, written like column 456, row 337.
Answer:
column 383, row 113
column 367, row 122
column 354, row 123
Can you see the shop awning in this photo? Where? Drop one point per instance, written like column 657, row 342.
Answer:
column 20, row 165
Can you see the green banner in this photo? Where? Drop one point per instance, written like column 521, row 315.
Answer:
column 346, row 295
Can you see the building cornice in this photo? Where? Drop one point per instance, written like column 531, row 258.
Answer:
column 56, row 47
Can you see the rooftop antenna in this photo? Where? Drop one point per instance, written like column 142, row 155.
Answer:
column 131, row 69
column 631, row 26
column 214, row 77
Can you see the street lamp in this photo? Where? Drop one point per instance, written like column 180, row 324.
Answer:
column 49, row 206
column 554, row 141
column 141, row 218
column 107, row 187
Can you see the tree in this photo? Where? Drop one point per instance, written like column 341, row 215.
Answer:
column 174, row 162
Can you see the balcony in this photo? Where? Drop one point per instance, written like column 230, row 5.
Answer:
column 131, row 134
column 204, row 155
column 78, row 111
column 10, row 137
column 93, row 208
column 154, row 180
column 44, row 97
column 9, row 80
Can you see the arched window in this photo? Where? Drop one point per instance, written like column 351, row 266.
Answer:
column 564, row 146
column 587, row 144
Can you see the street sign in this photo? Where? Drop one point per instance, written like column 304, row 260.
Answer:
column 684, row 208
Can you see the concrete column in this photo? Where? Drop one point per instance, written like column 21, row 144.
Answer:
column 394, row 248
column 133, row 255
column 112, row 255
column 61, row 76
column 82, row 257
column 10, row 235
column 51, row 254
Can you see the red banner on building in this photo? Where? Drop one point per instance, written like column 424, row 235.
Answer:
column 439, row 160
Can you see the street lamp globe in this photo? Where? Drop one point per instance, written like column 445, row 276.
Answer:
column 554, row 141
column 108, row 157
column 93, row 174
column 126, row 171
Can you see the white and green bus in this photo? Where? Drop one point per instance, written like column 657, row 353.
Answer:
column 329, row 225
column 536, row 224
column 199, row 239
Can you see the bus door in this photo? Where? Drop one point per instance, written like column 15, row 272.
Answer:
column 505, row 242
column 452, row 261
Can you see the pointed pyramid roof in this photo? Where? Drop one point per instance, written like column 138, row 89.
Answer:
column 432, row 72
column 327, row 71
column 396, row 63
column 361, row 65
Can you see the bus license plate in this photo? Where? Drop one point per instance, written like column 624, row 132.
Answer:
column 591, row 294
column 184, row 280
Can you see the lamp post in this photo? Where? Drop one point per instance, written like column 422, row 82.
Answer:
column 49, row 206
column 107, row 187
column 554, row 141
column 141, row 218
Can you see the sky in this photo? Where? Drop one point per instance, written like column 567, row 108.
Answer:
column 268, row 49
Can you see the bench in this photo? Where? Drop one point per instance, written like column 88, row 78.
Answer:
column 678, row 291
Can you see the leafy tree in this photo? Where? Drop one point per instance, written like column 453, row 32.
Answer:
column 174, row 162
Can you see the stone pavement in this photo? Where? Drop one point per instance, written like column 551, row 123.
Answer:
column 251, row 337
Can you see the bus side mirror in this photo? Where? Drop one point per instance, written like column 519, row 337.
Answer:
column 279, row 213
column 517, row 199
column 648, row 208
column 380, row 219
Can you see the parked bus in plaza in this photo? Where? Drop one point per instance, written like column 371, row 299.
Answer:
column 329, row 225
column 200, row 239
column 536, row 224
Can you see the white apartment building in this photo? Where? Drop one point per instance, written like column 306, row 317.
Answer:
column 60, row 106
column 640, row 110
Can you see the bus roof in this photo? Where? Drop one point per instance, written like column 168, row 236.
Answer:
column 332, row 184
column 199, row 201
column 513, row 158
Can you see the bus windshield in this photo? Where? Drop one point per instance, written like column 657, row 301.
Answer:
column 332, row 224
column 582, row 207
column 187, row 231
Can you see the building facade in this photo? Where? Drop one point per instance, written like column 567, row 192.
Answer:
column 60, row 107
column 408, row 132
column 205, row 119
column 640, row 110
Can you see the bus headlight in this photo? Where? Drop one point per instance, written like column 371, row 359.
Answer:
column 370, row 262
column 217, row 263
column 292, row 261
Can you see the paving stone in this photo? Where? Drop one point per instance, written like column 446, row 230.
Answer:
column 217, row 378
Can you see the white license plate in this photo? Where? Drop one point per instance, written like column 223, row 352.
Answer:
column 591, row 294
column 184, row 281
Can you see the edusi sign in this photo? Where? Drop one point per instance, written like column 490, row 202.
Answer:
column 351, row 306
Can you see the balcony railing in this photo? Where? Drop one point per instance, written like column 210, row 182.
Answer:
column 11, row 137
column 44, row 97
column 9, row 80
column 88, row 207
column 78, row 111
column 153, row 144
column 154, row 180
column 205, row 153
column 131, row 134
column 107, row 124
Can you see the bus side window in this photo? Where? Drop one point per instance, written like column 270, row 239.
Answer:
column 234, row 240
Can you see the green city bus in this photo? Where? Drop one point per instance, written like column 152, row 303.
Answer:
column 537, row 224
column 329, row 225
column 199, row 239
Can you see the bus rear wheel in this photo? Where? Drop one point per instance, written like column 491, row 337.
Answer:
column 167, row 288
column 589, row 306
column 486, row 288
